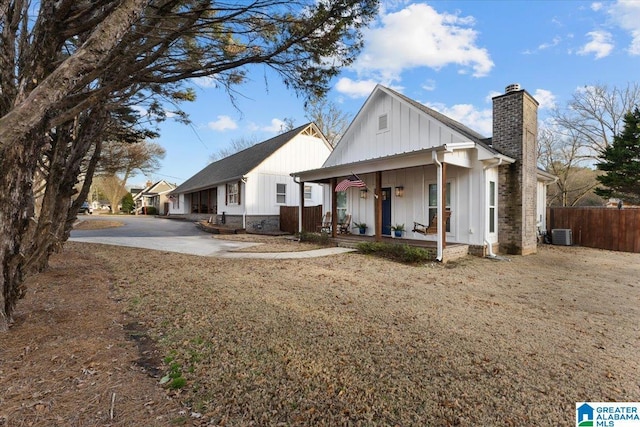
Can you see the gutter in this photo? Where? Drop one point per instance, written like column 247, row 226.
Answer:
column 244, row 205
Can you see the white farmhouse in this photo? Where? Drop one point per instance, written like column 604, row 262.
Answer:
column 443, row 181
column 247, row 189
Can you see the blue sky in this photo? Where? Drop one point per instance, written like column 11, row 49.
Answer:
column 452, row 56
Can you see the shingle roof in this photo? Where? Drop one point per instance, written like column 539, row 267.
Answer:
column 237, row 165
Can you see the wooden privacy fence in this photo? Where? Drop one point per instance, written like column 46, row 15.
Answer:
column 289, row 218
column 604, row 228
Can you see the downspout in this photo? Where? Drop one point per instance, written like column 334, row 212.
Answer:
column 300, row 207
column 486, row 210
column 244, row 209
column 439, row 247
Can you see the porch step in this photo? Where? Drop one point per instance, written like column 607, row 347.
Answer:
column 344, row 243
column 218, row 228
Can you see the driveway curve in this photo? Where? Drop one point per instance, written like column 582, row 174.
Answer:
column 180, row 236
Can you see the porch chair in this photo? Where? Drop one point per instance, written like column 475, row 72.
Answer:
column 432, row 228
column 325, row 226
column 343, row 227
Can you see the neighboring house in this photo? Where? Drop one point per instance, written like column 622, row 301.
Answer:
column 153, row 195
column 246, row 189
column 421, row 167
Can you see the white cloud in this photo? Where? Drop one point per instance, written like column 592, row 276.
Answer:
column 419, row 36
column 556, row 40
column 479, row 120
column 545, row 98
column 429, row 85
column 276, row 126
column 223, row 123
column 205, row 82
column 600, row 44
column 355, row 89
column 492, row 94
column 596, row 6
column 626, row 14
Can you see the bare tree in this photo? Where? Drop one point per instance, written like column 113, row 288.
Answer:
column 328, row 117
column 120, row 159
column 66, row 66
column 236, row 145
column 575, row 136
column 112, row 188
column 595, row 114
column 559, row 154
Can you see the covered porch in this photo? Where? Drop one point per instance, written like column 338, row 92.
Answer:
column 418, row 184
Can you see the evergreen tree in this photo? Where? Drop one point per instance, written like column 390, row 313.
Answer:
column 127, row 203
column 621, row 163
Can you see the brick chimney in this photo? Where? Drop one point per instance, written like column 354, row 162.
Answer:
column 515, row 133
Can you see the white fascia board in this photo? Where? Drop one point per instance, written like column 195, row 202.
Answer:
column 545, row 177
column 459, row 146
column 397, row 161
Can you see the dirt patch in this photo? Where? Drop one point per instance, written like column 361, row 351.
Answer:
column 67, row 360
column 340, row 340
column 269, row 243
column 97, row 224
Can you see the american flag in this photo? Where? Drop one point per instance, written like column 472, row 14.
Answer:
column 351, row 181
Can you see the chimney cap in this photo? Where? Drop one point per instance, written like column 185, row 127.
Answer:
column 514, row 87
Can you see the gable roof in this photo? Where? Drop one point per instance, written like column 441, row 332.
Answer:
column 152, row 190
column 237, row 165
column 447, row 121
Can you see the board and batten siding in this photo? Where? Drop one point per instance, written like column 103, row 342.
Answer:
column 467, row 201
column 408, row 130
column 301, row 153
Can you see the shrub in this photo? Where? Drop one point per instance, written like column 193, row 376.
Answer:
column 320, row 239
column 396, row 252
column 150, row 210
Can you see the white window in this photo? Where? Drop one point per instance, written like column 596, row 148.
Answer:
column 433, row 202
column 383, row 122
column 341, row 205
column 281, row 193
column 307, row 192
column 492, row 207
column 233, row 196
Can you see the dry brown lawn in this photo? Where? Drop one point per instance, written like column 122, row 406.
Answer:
column 339, row 340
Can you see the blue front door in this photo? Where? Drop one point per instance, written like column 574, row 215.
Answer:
column 386, row 211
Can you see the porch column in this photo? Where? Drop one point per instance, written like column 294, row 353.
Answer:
column 378, row 207
column 301, row 207
column 334, row 208
column 439, row 210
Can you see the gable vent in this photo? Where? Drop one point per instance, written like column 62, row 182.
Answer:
column 383, row 122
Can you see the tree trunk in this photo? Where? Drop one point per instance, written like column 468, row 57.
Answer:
column 26, row 239
column 16, row 212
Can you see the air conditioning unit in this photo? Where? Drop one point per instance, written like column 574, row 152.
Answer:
column 561, row 236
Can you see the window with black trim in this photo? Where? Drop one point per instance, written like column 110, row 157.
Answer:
column 233, row 193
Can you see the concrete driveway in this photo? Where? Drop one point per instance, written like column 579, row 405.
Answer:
column 173, row 235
